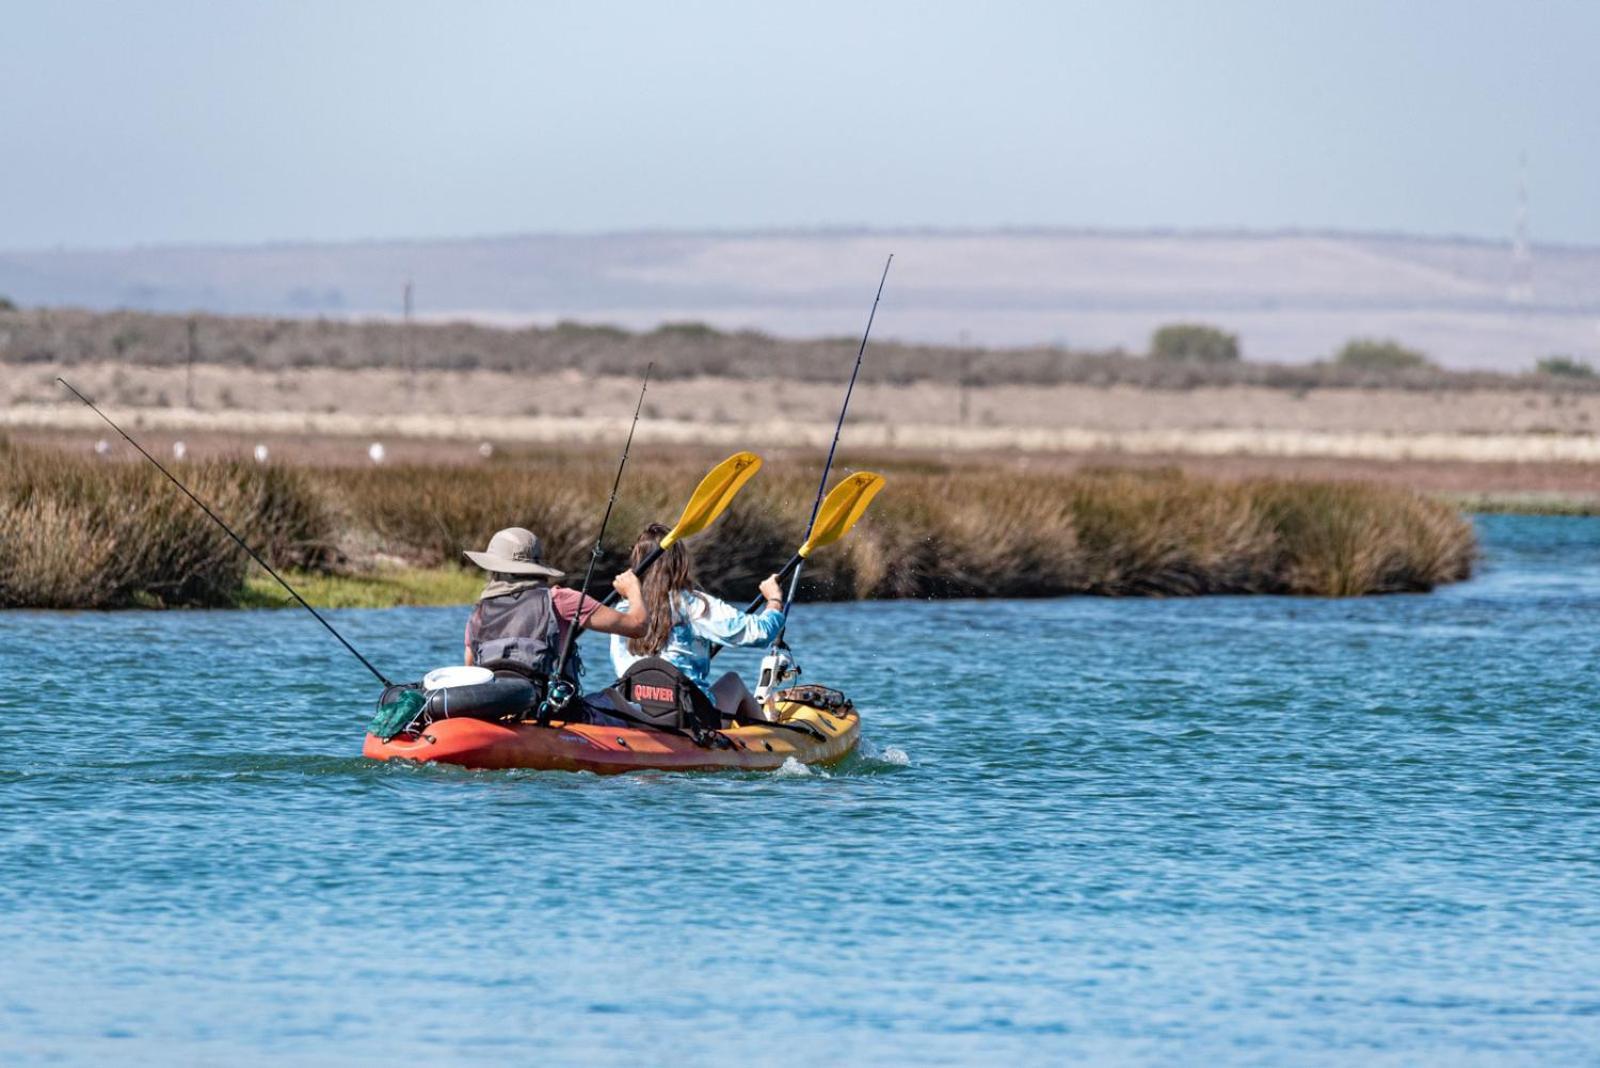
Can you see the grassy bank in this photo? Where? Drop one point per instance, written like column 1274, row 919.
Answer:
column 383, row 588
column 81, row 533
column 1528, row 503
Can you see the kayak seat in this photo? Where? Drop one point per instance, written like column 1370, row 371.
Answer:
column 659, row 695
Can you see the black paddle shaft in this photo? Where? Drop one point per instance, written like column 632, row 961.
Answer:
column 794, row 562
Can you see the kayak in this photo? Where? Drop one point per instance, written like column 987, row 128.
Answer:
column 802, row 732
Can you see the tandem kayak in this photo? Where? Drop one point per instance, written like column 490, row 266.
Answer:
column 803, row 733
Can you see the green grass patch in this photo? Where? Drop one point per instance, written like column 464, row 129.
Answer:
column 387, row 589
column 1526, row 504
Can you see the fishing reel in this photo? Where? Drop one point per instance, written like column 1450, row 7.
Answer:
column 558, row 695
column 777, row 668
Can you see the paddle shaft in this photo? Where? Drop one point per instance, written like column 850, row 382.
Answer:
column 794, row 562
column 229, row 531
column 715, row 492
column 838, row 428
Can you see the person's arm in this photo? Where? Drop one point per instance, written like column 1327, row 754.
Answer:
column 629, row 624
column 721, row 622
column 472, row 626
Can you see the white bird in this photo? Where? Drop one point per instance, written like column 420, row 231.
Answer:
column 375, row 452
column 261, row 454
column 486, row 450
column 102, row 447
column 179, row 450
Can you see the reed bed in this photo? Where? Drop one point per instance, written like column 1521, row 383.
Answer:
column 81, row 533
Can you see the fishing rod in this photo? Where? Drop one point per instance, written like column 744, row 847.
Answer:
column 827, row 468
column 229, row 531
column 594, row 554
column 840, row 510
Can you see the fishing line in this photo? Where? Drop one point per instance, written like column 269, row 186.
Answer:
column 229, row 530
column 822, row 486
column 561, row 692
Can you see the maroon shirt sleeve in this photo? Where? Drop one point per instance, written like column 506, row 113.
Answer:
column 566, row 603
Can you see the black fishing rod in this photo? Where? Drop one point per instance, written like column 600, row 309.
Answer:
column 229, row 531
column 827, row 468
column 560, row 691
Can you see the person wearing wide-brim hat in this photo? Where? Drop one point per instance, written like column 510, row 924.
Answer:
column 521, row 619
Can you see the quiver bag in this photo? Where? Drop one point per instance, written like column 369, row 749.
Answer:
column 665, row 699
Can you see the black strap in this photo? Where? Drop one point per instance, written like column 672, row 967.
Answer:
column 799, row 728
column 705, row 739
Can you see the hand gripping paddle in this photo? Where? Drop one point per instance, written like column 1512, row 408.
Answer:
column 711, row 498
column 837, row 515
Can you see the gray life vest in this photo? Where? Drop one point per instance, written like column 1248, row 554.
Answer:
column 522, row 626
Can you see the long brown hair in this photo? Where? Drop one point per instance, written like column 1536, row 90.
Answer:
column 673, row 573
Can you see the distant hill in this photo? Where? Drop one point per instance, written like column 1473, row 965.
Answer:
column 1292, row 297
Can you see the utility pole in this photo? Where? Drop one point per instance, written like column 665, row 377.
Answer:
column 1520, row 288
column 188, row 371
column 410, row 354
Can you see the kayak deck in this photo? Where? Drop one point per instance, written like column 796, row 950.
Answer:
column 474, row 743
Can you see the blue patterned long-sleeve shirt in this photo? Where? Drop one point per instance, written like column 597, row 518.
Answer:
column 700, row 621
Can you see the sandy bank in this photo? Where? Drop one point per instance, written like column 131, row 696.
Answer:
column 1218, row 441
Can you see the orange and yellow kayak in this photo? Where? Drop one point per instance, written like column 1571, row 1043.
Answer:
column 803, row 733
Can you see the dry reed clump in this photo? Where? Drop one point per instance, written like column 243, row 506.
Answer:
column 82, row 533
column 86, row 534
column 1347, row 539
column 1123, row 533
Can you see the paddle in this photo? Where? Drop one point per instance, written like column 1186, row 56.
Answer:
column 711, row 498
column 838, row 514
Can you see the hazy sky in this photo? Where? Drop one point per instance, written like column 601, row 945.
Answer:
column 168, row 122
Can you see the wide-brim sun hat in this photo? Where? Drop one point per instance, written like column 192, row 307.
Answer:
column 514, row 551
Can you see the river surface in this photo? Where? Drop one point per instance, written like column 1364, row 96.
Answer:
column 1236, row 830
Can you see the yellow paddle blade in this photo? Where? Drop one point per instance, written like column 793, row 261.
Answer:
column 841, row 509
column 712, row 497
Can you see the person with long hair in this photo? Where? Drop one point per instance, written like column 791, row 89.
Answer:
column 683, row 622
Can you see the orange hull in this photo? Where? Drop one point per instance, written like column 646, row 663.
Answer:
column 473, row 743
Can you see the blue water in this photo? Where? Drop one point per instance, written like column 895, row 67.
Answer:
column 1238, row 830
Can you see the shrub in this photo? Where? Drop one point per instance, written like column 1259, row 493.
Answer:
column 7, row 304
column 1564, row 367
column 83, row 533
column 1194, row 343
column 1380, row 354
column 692, row 331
